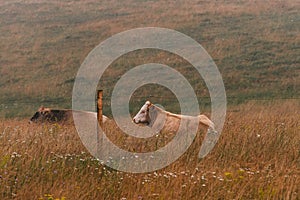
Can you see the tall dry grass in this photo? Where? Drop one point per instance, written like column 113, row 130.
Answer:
column 256, row 157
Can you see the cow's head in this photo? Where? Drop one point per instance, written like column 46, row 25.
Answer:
column 144, row 116
column 43, row 114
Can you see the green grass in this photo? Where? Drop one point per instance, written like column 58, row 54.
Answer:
column 254, row 44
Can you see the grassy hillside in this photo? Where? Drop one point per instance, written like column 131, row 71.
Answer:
column 255, row 44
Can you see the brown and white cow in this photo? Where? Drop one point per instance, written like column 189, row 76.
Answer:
column 59, row 115
column 167, row 122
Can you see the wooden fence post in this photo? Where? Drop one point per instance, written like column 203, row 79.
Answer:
column 100, row 123
column 99, row 108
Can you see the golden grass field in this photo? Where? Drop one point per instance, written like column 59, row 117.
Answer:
column 254, row 43
column 256, row 157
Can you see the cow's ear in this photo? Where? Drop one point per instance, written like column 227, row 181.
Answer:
column 41, row 108
column 149, row 104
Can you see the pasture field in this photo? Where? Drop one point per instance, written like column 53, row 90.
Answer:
column 256, row 157
column 255, row 45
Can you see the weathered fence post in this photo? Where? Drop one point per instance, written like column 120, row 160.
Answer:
column 99, row 107
column 100, row 122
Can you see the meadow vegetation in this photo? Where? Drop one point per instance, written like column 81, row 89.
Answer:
column 256, row 157
column 255, row 45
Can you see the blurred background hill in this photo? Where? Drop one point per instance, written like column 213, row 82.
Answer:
column 255, row 44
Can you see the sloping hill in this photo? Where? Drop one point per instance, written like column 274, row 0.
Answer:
column 43, row 43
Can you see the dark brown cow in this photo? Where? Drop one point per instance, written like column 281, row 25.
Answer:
column 58, row 115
